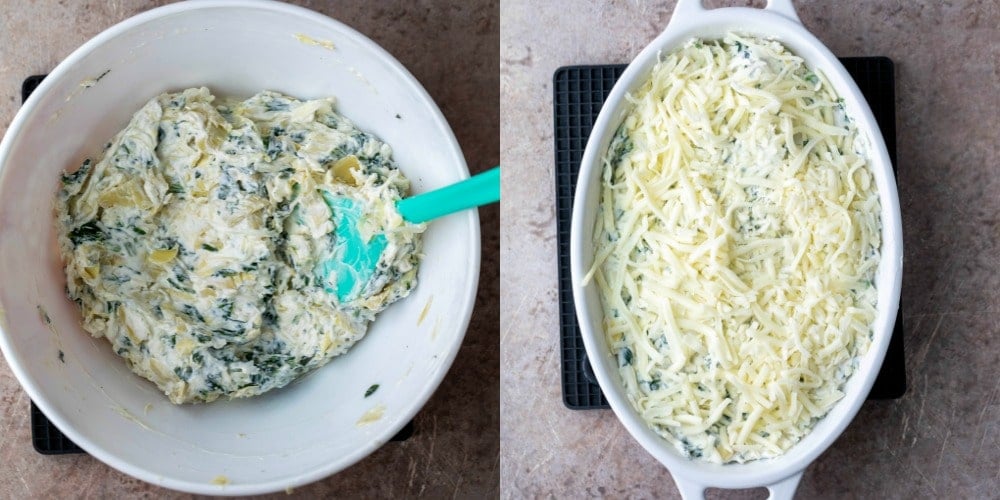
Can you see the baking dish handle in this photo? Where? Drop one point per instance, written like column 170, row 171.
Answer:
column 783, row 7
column 689, row 489
column 785, row 489
column 782, row 490
column 687, row 9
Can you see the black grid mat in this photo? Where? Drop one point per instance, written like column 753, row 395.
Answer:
column 45, row 437
column 578, row 94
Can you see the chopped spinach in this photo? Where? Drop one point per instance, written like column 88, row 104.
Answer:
column 79, row 175
column 91, row 231
column 182, row 373
column 192, row 312
column 624, row 357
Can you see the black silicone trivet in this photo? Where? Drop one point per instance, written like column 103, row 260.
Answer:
column 45, row 437
column 578, row 94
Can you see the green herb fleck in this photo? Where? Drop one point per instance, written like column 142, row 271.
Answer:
column 44, row 315
column 690, row 449
column 210, row 248
column 371, row 390
column 621, row 145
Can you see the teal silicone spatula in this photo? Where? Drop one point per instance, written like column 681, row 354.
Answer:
column 353, row 260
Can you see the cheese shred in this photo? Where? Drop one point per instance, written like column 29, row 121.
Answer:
column 737, row 241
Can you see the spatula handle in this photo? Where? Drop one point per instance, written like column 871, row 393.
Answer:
column 478, row 190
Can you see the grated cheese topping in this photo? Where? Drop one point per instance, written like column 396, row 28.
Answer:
column 736, row 246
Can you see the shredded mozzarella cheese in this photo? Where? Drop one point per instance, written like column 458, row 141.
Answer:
column 736, row 246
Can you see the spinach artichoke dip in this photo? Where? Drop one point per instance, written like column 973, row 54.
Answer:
column 192, row 244
column 736, row 242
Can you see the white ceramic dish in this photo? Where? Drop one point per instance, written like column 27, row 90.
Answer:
column 288, row 437
column 781, row 475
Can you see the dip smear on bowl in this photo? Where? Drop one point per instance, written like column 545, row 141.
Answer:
column 737, row 241
column 192, row 244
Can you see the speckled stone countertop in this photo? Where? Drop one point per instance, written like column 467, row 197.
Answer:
column 452, row 48
column 942, row 439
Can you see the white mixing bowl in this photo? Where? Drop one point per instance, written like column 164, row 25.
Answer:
column 779, row 21
column 288, row 437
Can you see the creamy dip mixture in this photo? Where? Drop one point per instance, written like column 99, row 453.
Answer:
column 192, row 244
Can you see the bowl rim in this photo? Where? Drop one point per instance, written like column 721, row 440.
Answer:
column 462, row 310
column 777, row 21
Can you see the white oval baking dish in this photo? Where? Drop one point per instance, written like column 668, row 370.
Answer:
column 316, row 426
column 779, row 21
